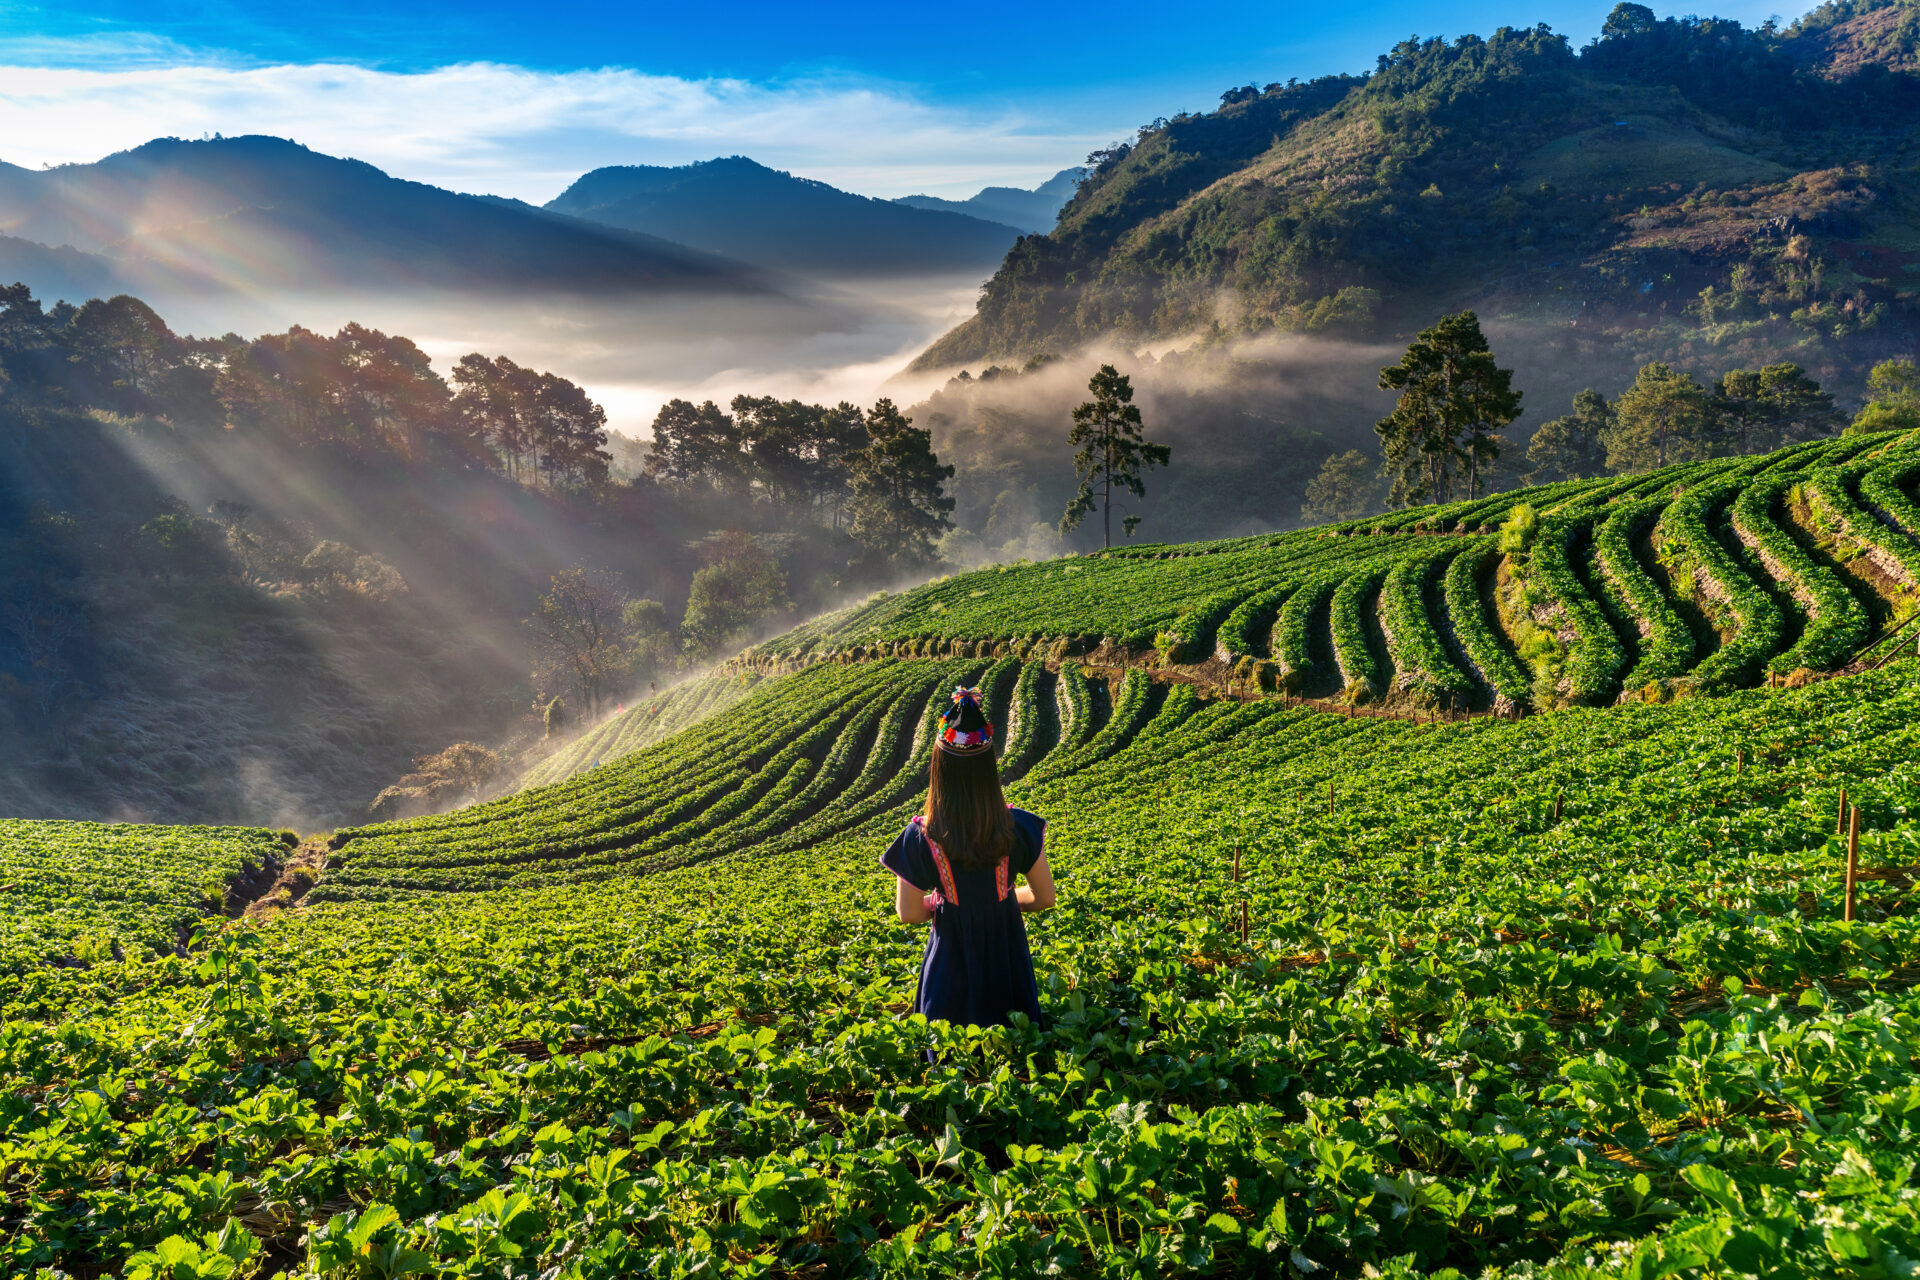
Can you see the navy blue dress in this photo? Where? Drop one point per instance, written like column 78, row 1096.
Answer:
column 977, row 968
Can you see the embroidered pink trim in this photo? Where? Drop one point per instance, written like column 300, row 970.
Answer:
column 949, row 889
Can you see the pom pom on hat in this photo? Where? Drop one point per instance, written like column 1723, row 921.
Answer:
column 964, row 729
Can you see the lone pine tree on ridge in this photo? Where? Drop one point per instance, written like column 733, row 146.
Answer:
column 1110, row 453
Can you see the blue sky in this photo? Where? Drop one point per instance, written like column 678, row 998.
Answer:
column 518, row 97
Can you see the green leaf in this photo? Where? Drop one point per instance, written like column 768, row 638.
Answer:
column 1715, row 1186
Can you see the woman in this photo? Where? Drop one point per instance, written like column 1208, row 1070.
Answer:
column 956, row 867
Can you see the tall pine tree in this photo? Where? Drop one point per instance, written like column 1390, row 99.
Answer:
column 898, row 505
column 1110, row 453
column 1454, row 400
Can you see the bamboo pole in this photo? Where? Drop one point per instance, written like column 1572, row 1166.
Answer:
column 1853, row 856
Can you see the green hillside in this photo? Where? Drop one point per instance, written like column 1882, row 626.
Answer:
column 1590, row 197
column 1452, row 889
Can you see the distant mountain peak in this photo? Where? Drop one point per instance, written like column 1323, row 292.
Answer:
column 261, row 212
column 737, row 206
column 1035, row 210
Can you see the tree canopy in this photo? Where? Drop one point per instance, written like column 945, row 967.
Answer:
column 1110, row 453
column 899, row 507
column 1454, row 399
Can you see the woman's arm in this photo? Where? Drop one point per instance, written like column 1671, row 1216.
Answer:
column 909, row 903
column 1037, row 893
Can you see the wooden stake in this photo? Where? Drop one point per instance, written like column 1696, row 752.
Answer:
column 1558, row 799
column 1236, row 865
column 1840, row 819
column 1329, row 799
column 1739, row 761
column 1853, row 856
column 1243, row 922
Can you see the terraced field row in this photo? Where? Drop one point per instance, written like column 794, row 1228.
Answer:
column 795, row 762
column 1712, row 574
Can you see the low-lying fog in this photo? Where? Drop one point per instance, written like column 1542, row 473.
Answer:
column 816, row 341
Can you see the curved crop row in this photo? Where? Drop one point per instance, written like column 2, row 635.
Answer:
column 1023, row 720
column 1666, row 642
column 1293, row 632
column 1885, row 488
column 1595, row 665
column 1418, row 651
column 1697, row 555
column 1496, row 665
column 1130, row 710
column 1249, row 627
column 1359, row 665
column 1191, row 636
column 1894, row 552
column 1836, row 622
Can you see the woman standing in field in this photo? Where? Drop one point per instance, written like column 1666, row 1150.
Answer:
column 956, row 866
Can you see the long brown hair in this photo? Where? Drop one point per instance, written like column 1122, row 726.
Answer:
column 966, row 810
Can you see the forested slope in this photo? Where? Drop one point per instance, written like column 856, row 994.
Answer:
column 1599, row 192
column 1564, row 993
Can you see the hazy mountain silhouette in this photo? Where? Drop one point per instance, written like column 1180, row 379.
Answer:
column 57, row 273
column 1035, row 210
column 737, row 207
column 260, row 213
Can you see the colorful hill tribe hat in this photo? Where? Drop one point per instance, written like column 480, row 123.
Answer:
column 964, row 730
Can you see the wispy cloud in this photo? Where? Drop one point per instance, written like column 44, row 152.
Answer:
column 488, row 127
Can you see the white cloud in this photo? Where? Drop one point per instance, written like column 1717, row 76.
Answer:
column 486, row 127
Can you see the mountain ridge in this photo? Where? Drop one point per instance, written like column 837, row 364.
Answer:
column 259, row 211
column 736, row 206
column 1029, row 210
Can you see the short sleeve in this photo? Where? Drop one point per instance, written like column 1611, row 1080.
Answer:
column 1031, row 829
column 908, row 858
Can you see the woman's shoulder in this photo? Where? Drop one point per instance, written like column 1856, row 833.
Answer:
column 1031, row 827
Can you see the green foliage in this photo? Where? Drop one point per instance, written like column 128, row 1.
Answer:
column 82, row 887
column 1109, row 453
column 1665, row 416
column 1192, row 636
column 895, row 497
column 1893, row 402
column 1725, row 585
column 1520, row 528
column 1453, row 402
column 1666, row 642
column 1836, row 622
column 1597, row 659
column 738, row 588
column 481, row 1083
column 1758, row 410
column 1363, row 671
column 1575, row 446
column 1343, row 489
column 1474, row 629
